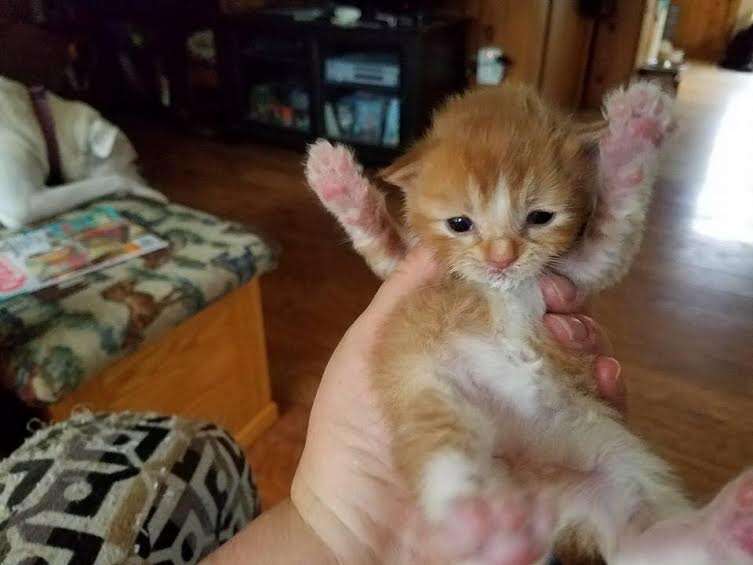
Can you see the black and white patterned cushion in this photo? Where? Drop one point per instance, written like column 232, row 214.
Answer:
column 123, row 488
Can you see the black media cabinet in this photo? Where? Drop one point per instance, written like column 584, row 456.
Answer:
column 274, row 85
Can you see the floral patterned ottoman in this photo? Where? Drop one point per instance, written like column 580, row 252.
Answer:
column 53, row 340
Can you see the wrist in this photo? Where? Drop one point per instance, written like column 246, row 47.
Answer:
column 320, row 552
column 278, row 537
column 331, row 529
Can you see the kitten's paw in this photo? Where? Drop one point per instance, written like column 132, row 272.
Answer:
column 504, row 529
column 642, row 110
column 639, row 119
column 732, row 521
column 337, row 178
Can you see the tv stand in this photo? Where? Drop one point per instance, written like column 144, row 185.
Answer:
column 374, row 88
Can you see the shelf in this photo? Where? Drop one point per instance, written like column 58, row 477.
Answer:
column 431, row 68
column 373, row 154
column 297, row 64
column 340, row 86
column 250, row 122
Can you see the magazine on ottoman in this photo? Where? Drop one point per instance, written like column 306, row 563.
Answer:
column 61, row 251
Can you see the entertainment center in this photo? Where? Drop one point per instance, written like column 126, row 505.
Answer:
column 372, row 84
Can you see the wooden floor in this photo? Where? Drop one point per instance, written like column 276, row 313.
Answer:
column 682, row 323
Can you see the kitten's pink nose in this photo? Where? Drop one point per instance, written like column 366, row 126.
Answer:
column 501, row 253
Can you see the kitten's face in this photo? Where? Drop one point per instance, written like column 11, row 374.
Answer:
column 498, row 203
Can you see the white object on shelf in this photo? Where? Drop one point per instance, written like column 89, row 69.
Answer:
column 346, row 16
column 330, row 121
column 391, row 136
column 490, row 69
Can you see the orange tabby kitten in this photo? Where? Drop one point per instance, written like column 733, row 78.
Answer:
column 497, row 430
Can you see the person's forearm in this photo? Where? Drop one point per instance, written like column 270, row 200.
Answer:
column 277, row 537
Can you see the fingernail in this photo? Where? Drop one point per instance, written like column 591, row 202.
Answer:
column 610, row 371
column 560, row 290
column 577, row 330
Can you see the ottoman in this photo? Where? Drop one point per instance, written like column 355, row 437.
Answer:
column 123, row 488
column 177, row 331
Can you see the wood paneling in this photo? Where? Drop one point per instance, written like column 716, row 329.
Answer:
column 573, row 60
column 213, row 367
column 614, row 50
column 704, row 27
column 520, row 28
column 566, row 55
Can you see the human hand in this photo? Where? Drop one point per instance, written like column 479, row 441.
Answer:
column 579, row 332
column 346, row 488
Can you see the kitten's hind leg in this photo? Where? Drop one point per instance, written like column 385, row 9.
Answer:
column 473, row 513
column 338, row 180
column 638, row 120
column 722, row 532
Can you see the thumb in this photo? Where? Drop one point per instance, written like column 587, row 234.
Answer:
column 416, row 270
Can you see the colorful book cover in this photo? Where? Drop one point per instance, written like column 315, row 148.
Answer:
column 64, row 250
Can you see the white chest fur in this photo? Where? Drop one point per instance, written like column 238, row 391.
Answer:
column 503, row 370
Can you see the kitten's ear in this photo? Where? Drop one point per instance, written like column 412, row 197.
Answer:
column 404, row 170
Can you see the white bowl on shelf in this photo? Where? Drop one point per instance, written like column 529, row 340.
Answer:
column 346, row 16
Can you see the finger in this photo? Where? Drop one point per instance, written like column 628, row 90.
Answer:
column 578, row 332
column 561, row 295
column 416, row 270
column 609, row 382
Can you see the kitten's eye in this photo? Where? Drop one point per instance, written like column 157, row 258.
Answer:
column 460, row 224
column 539, row 217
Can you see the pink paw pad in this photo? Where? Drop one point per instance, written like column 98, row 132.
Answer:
column 334, row 174
column 742, row 527
column 745, row 495
column 737, row 509
column 337, row 178
column 639, row 119
column 641, row 111
column 503, row 531
column 742, row 533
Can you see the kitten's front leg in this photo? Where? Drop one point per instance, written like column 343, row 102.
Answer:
column 338, row 180
column 474, row 512
column 638, row 118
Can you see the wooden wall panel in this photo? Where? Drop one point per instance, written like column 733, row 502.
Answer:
column 518, row 26
column 566, row 55
column 572, row 60
column 704, row 27
column 615, row 46
column 521, row 29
